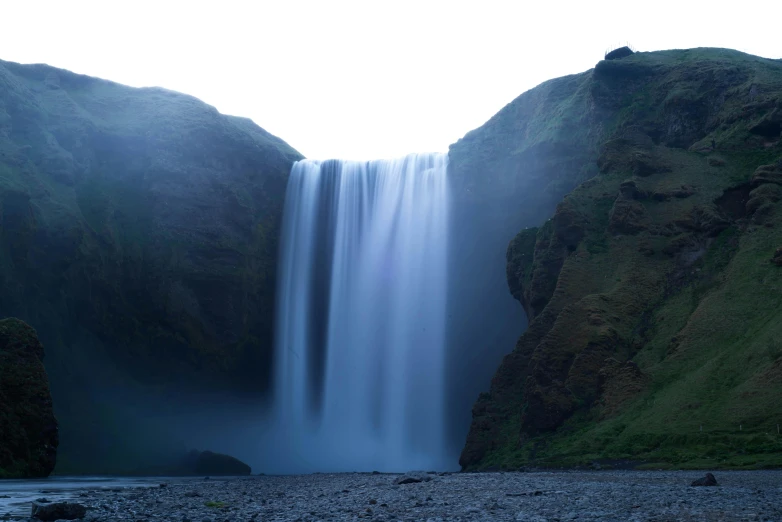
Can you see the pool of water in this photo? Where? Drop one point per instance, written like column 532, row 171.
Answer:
column 16, row 496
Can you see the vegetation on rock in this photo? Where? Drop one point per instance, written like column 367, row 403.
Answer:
column 28, row 428
column 655, row 314
column 138, row 232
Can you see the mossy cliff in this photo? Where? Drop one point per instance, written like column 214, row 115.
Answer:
column 654, row 291
column 28, row 429
column 138, row 234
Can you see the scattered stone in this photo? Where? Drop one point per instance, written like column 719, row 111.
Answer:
column 707, row 480
column 58, row 511
column 584, row 496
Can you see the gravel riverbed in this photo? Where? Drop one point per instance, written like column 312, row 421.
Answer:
column 530, row 496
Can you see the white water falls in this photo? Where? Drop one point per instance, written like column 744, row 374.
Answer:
column 360, row 349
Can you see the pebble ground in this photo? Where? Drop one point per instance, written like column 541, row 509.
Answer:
column 531, row 496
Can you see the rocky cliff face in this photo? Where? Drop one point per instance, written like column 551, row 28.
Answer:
column 138, row 232
column 507, row 175
column 652, row 291
column 28, row 429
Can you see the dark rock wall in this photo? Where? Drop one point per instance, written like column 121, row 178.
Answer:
column 28, row 428
column 139, row 232
column 504, row 176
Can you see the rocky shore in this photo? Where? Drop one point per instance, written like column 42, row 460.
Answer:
column 532, row 496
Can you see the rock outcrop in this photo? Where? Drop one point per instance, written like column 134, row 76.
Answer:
column 28, row 428
column 211, row 463
column 618, row 53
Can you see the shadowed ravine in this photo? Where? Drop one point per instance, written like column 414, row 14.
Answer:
column 360, row 375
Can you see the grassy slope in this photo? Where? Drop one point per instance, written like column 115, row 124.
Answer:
column 699, row 315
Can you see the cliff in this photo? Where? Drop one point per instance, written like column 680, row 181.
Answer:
column 654, row 291
column 28, row 429
column 138, row 233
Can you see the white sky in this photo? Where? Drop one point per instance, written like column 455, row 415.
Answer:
column 364, row 79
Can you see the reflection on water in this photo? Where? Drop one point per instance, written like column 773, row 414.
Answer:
column 16, row 495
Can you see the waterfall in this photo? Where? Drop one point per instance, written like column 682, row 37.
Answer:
column 360, row 338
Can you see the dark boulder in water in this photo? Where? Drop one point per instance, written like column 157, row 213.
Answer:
column 28, row 428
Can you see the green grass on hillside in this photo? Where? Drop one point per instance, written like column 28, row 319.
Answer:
column 685, row 290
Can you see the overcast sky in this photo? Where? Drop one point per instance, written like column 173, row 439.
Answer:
column 364, row 79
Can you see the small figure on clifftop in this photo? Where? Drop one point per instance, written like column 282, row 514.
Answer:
column 713, row 144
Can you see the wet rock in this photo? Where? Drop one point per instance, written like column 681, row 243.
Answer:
column 707, row 480
column 413, row 478
column 58, row 511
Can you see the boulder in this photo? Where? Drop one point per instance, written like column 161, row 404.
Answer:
column 413, row 478
column 28, row 428
column 210, row 463
column 707, row 480
column 58, row 511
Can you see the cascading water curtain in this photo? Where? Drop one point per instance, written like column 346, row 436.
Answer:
column 361, row 317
